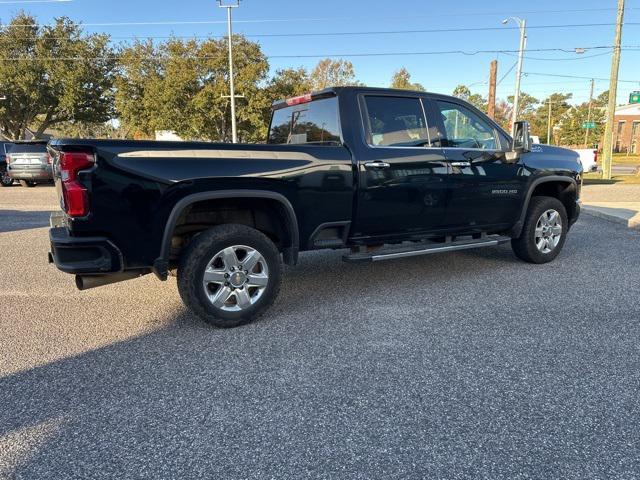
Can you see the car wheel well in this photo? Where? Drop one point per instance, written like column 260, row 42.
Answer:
column 566, row 192
column 268, row 216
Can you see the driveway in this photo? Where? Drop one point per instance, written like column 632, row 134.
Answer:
column 464, row 365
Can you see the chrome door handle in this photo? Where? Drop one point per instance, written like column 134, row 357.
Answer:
column 460, row 164
column 376, row 164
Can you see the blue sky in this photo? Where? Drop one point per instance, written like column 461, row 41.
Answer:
column 439, row 73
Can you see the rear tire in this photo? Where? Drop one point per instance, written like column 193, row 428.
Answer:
column 243, row 275
column 27, row 183
column 5, row 179
column 544, row 232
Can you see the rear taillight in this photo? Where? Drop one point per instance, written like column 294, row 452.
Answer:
column 76, row 198
column 49, row 159
column 595, row 156
column 8, row 159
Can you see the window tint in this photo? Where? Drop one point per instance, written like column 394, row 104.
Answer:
column 466, row 129
column 396, row 121
column 314, row 122
column 27, row 148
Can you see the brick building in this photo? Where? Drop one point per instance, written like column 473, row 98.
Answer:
column 626, row 129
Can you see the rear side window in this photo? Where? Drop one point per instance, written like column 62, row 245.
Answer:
column 396, row 121
column 309, row 123
column 27, row 148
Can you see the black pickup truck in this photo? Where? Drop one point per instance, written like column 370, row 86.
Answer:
column 384, row 173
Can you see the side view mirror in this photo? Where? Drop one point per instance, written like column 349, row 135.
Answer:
column 521, row 140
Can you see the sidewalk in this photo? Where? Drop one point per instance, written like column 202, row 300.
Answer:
column 615, row 203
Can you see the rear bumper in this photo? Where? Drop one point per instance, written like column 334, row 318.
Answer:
column 83, row 255
column 28, row 173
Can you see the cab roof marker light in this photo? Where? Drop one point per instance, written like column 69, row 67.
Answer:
column 299, row 100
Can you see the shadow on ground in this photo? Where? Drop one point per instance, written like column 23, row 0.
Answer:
column 348, row 378
column 15, row 220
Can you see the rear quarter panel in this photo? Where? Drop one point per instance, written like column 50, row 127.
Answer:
column 137, row 184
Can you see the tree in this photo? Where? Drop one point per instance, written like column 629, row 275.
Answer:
column 402, row 79
column 289, row 82
column 332, row 73
column 503, row 114
column 571, row 131
column 540, row 119
column 475, row 99
column 52, row 74
column 180, row 86
column 526, row 105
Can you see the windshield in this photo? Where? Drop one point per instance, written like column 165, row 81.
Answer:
column 27, row 148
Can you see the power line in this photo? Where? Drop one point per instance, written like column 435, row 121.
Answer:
column 507, row 73
column 325, row 55
column 577, row 76
column 577, row 57
column 343, row 33
column 18, row 2
column 323, row 19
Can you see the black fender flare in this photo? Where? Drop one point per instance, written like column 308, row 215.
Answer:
column 517, row 228
column 290, row 253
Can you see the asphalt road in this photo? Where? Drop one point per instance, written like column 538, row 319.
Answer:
column 464, row 365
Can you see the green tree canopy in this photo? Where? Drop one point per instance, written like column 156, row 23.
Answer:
column 52, row 74
column 540, row 118
column 180, row 86
column 475, row 99
column 332, row 73
column 402, row 80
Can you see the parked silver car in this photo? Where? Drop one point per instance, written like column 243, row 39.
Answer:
column 29, row 163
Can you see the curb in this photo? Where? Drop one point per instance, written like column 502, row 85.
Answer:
column 596, row 212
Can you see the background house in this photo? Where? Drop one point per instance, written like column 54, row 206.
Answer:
column 627, row 128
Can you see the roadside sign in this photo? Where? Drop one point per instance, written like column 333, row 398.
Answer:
column 589, row 125
column 634, row 97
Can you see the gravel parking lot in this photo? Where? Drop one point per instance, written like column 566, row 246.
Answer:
column 463, row 365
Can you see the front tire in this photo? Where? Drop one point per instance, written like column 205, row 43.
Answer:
column 229, row 275
column 544, row 232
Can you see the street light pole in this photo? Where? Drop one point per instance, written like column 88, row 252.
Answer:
column 522, row 24
column 586, row 133
column 232, row 92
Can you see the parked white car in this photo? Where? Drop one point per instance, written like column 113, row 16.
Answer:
column 589, row 158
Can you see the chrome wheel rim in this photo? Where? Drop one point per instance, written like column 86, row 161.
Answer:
column 548, row 231
column 235, row 278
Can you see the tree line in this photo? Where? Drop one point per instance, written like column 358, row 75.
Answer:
column 57, row 77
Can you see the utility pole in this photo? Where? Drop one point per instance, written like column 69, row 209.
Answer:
column 586, row 133
column 607, row 148
column 232, row 92
column 493, row 74
column 549, row 123
column 549, row 102
column 522, row 24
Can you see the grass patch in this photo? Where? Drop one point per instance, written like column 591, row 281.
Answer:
column 622, row 159
column 595, row 179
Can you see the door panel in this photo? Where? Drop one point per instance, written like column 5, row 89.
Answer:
column 485, row 189
column 486, row 192
column 402, row 179
column 407, row 196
